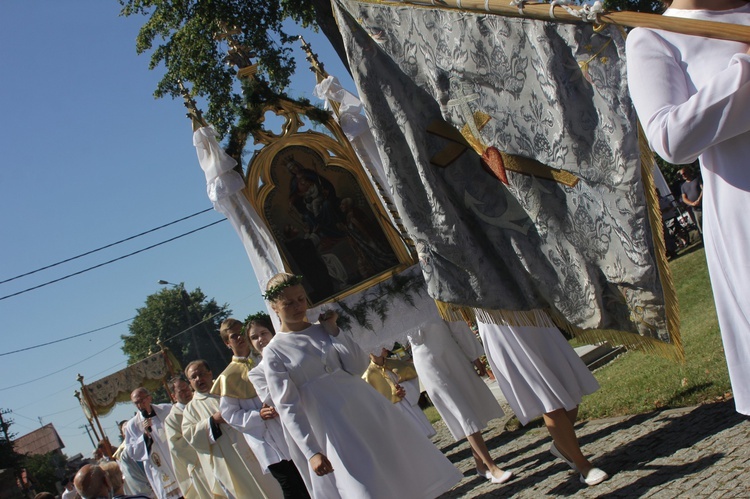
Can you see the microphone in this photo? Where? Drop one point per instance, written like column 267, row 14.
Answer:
column 145, row 415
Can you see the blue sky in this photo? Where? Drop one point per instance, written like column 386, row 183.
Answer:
column 89, row 157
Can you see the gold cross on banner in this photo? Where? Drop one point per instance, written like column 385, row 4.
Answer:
column 460, row 141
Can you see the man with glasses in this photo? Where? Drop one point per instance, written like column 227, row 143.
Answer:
column 146, row 441
column 187, row 467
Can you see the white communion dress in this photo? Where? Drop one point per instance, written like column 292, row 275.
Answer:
column 537, row 369
column 314, row 383
column 443, row 354
column 692, row 95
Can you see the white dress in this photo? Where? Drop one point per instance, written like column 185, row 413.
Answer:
column 327, row 409
column 443, row 355
column 537, row 369
column 692, row 95
column 409, row 405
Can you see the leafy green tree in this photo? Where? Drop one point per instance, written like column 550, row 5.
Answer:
column 45, row 470
column 187, row 323
column 9, row 459
column 190, row 51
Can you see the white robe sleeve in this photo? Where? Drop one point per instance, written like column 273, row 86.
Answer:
column 466, row 339
column 245, row 420
column 257, row 377
column 135, row 445
column 286, row 399
column 680, row 126
column 353, row 359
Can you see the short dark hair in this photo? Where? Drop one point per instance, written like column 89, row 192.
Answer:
column 174, row 379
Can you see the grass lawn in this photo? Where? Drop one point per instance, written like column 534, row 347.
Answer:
column 636, row 382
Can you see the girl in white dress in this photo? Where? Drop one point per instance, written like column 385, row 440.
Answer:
column 541, row 375
column 348, row 433
column 445, row 356
column 692, row 95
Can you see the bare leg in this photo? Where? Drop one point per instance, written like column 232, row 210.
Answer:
column 482, row 455
column 573, row 415
column 560, row 426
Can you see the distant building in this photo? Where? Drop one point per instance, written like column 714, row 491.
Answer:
column 41, row 441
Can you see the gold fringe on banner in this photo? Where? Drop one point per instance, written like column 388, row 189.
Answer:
column 549, row 318
column 671, row 306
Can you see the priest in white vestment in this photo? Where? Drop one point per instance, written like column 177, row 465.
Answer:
column 223, row 452
column 187, row 467
column 146, row 441
column 135, row 481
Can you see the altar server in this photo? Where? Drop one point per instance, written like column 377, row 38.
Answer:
column 397, row 381
column 242, row 409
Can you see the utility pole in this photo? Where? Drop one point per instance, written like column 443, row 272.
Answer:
column 86, row 427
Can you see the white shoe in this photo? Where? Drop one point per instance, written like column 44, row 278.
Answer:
column 486, row 474
column 503, row 478
column 594, row 477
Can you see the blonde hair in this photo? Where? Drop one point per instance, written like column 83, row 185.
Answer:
column 226, row 326
column 279, row 283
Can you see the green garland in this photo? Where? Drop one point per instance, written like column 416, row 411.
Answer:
column 398, row 287
column 257, row 315
column 274, row 291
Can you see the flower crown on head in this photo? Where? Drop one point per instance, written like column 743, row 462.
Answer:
column 274, row 291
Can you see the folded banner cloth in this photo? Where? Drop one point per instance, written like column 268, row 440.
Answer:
column 546, row 108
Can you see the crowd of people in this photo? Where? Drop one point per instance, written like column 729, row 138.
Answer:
column 305, row 412
column 317, row 417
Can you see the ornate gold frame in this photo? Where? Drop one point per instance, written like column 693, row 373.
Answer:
column 334, row 151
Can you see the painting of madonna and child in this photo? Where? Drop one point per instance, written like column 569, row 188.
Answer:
column 325, row 225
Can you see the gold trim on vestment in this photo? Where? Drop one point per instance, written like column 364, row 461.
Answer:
column 233, row 382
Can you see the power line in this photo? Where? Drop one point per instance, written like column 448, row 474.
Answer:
column 66, row 338
column 102, row 351
column 108, row 262
column 60, row 370
column 104, row 247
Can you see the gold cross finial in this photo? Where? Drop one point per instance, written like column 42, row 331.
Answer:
column 237, row 55
column 315, row 65
column 195, row 114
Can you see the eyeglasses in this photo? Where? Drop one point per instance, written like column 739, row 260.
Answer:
column 236, row 336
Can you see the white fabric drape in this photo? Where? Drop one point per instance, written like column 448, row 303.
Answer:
column 224, row 188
